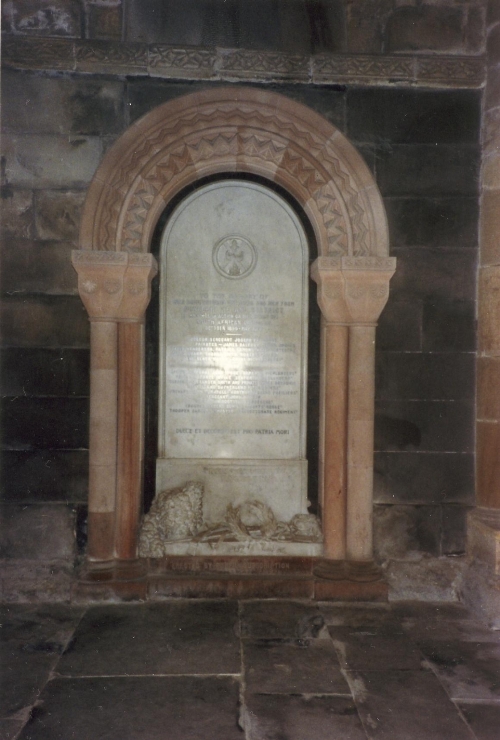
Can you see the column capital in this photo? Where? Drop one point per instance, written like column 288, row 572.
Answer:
column 352, row 290
column 114, row 286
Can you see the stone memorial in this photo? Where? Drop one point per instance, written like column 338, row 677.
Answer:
column 233, row 356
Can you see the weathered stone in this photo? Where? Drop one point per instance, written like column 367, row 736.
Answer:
column 45, row 476
column 104, row 21
column 44, row 321
column 428, row 579
column 430, row 275
column 17, row 212
column 449, row 325
column 437, row 376
column 481, row 592
column 428, row 170
column 488, row 463
column 431, row 426
column 454, row 529
column 488, row 388
column 433, row 222
column 45, row 372
column 57, row 214
column 423, row 478
column 403, row 531
column 390, row 705
column 367, row 649
column 400, row 326
column 365, row 25
column 47, row 17
column 413, row 116
column 490, row 228
column 58, row 105
column 484, row 719
column 50, row 161
column 37, row 532
column 425, row 28
column 173, row 638
column 34, row 267
column 275, row 620
column 489, row 309
column 46, row 423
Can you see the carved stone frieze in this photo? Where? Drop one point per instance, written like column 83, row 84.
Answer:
column 346, row 67
column 104, row 56
column 29, row 53
column 259, row 64
column 172, row 61
column 159, row 60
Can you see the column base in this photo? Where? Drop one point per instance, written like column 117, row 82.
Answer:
column 229, row 577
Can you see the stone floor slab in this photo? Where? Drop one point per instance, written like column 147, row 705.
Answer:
column 484, row 719
column 120, row 708
column 302, row 718
column 463, row 630
column 179, row 637
column 348, row 615
column 311, row 668
column 469, row 671
column 10, row 729
column 32, row 640
column 409, row 705
column 369, row 649
column 280, row 620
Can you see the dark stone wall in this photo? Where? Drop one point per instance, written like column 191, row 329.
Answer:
column 298, row 26
column 423, row 148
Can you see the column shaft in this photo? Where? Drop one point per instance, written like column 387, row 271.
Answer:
column 130, row 438
column 361, row 396
column 102, row 444
column 333, row 439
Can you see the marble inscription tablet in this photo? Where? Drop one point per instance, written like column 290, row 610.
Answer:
column 233, row 326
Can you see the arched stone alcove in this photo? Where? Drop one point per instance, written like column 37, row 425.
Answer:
column 232, row 130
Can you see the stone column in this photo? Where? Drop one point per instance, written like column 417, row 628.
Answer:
column 484, row 522
column 351, row 294
column 115, row 289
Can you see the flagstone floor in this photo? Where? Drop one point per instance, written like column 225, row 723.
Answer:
column 252, row 670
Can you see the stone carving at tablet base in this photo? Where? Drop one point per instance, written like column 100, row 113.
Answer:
column 176, row 520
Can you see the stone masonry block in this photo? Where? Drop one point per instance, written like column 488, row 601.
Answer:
column 59, row 105
column 429, row 275
column 57, row 214
column 44, row 321
column 428, row 426
column 425, row 28
column 403, row 116
column 45, row 423
column 400, row 326
column 45, row 476
column 403, row 531
column 488, row 388
column 449, row 325
column 38, row 267
column 17, row 212
column 431, row 376
column 46, row 17
column 424, row 478
column 43, row 532
column 104, row 21
column 426, row 170
column 490, row 228
column 433, row 222
column 47, row 161
column 32, row 371
column 489, row 310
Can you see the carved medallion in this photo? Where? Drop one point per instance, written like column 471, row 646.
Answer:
column 234, row 257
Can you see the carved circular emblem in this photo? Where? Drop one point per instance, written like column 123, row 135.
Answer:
column 89, row 286
column 136, row 287
column 234, row 257
column 112, row 286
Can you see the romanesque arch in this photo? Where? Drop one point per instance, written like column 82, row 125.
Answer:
column 232, row 130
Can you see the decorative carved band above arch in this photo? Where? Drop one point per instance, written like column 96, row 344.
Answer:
column 230, row 130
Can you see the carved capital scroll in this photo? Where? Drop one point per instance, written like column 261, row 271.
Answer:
column 114, row 286
column 352, row 290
